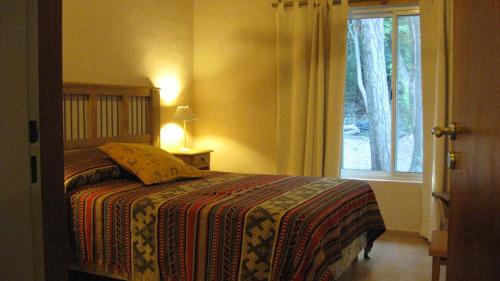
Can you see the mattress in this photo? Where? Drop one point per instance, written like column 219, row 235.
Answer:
column 224, row 226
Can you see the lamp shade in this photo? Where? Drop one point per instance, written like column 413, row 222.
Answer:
column 183, row 113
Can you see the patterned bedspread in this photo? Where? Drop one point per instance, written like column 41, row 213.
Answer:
column 221, row 227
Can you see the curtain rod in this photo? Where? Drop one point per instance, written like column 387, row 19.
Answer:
column 351, row 2
column 290, row 3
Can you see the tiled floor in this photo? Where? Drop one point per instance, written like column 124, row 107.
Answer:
column 394, row 258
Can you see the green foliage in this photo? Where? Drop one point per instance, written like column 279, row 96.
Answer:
column 353, row 101
column 406, row 65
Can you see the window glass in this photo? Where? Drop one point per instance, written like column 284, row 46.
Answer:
column 367, row 105
column 374, row 116
column 409, row 101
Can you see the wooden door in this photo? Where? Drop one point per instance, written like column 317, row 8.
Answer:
column 474, row 233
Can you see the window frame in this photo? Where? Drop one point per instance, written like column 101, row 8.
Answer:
column 386, row 12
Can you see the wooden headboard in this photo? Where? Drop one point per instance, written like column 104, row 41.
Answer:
column 96, row 114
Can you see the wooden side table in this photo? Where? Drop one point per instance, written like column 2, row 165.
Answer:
column 438, row 250
column 198, row 158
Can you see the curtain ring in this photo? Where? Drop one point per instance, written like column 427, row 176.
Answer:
column 281, row 6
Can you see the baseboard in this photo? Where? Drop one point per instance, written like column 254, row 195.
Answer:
column 403, row 233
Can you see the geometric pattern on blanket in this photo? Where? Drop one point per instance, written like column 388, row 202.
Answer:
column 223, row 226
column 261, row 228
column 144, row 219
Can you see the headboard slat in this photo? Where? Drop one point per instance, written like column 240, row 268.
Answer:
column 96, row 114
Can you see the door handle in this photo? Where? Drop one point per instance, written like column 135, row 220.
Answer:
column 451, row 131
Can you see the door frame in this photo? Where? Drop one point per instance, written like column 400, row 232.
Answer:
column 55, row 227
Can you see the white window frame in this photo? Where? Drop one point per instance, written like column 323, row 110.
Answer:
column 378, row 12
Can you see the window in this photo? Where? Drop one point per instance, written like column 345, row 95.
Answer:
column 382, row 136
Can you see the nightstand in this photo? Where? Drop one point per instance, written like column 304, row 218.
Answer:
column 199, row 158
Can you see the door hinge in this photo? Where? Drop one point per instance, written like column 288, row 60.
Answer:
column 34, row 169
column 33, row 131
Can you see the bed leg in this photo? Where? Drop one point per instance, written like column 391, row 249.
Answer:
column 368, row 249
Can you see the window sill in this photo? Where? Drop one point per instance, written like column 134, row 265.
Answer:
column 381, row 176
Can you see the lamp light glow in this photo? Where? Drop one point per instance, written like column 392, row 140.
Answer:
column 171, row 135
column 170, row 89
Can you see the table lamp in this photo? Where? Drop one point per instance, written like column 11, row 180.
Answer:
column 185, row 114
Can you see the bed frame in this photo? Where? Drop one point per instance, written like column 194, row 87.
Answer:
column 95, row 114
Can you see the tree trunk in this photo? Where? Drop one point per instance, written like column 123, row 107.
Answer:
column 403, row 75
column 416, row 96
column 353, row 32
column 371, row 34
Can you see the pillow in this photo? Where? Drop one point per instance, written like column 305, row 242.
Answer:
column 88, row 166
column 150, row 164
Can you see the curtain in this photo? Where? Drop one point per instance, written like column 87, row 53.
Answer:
column 311, row 47
column 436, row 32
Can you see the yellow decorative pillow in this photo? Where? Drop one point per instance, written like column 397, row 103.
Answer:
column 150, row 164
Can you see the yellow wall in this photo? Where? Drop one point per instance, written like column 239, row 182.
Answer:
column 235, row 83
column 400, row 204
column 130, row 42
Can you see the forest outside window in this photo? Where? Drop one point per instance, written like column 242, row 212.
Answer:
column 382, row 136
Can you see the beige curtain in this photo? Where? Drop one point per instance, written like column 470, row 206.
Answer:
column 436, row 32
column 311, row 71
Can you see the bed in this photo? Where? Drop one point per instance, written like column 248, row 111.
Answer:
column 221, row 226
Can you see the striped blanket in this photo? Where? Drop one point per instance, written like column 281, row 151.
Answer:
column 223, row 226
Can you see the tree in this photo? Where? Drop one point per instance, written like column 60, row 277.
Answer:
column 415, row 91
column 361, row 87
column 368, row 38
